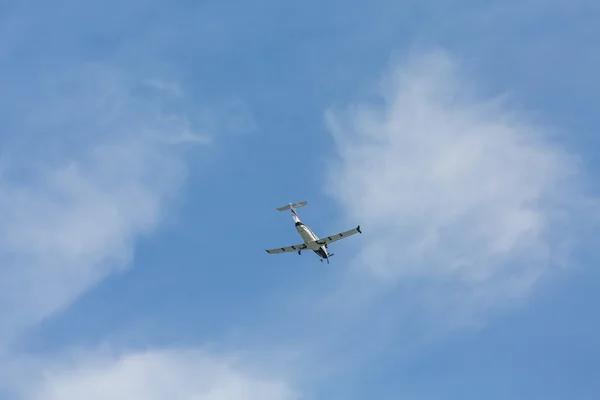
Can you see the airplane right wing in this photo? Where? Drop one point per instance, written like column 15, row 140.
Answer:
column 338, row 236
column 287, row 249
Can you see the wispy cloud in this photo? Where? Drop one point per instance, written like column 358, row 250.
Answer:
column 157, row 374
column 99, row 178
column 459, row 191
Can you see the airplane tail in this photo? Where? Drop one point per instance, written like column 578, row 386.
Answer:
column 292, row 207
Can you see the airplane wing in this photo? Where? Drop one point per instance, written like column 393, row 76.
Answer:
column 287, row 249
column 338, row 236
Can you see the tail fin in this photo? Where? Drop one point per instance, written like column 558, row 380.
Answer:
column 292, row 206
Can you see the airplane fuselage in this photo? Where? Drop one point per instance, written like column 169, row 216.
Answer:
column 309, row 236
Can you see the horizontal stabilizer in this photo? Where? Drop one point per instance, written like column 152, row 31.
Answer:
column 295, row 205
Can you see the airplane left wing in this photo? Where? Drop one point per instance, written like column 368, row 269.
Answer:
column 287, row 249
column 338, row 236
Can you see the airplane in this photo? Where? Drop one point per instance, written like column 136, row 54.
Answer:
column 311, row 241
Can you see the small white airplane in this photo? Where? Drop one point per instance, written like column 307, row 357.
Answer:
column 311, row 241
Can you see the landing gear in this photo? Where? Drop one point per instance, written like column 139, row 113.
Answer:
column 299, row 252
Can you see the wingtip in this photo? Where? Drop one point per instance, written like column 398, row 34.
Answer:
column 358, row 229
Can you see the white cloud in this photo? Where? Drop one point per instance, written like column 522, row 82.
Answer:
column 92, row 174
column 458, row 190
column 151, row 375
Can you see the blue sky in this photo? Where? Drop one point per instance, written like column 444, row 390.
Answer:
column 146, row 145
